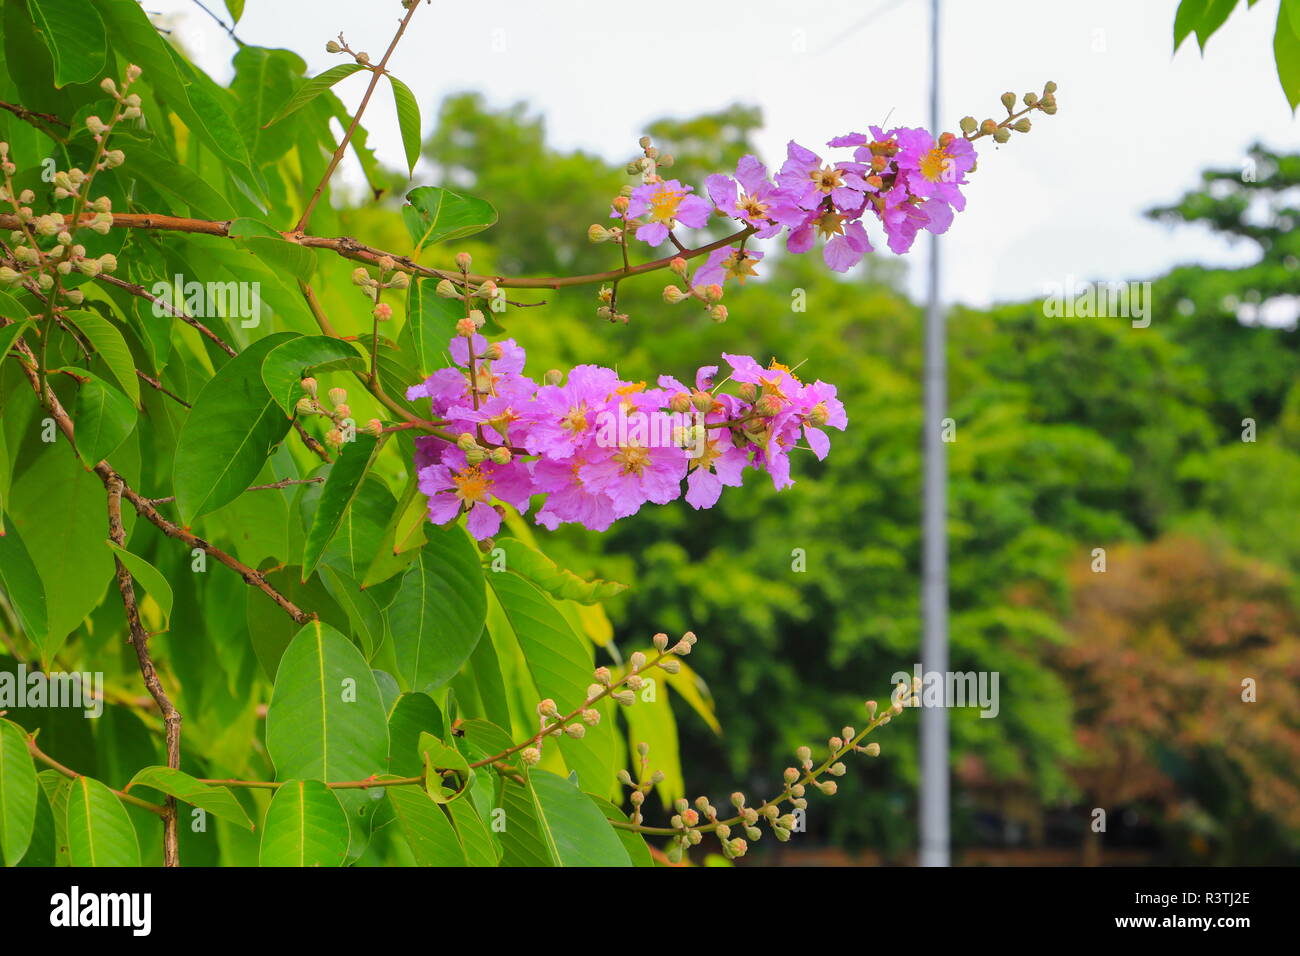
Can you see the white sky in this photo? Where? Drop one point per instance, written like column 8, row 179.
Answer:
column 1136, row 125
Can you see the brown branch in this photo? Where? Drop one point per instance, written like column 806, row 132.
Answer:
column 71, row 774
column 375, row 73
column 139, row 639
column 154, row 383
column 283, row 483
column 357, row 251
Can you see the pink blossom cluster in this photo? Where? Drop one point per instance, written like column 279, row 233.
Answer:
column 599, row 447
column 905, row 178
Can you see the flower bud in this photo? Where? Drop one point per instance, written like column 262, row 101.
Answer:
column 625, row 697
column 718, row 313
column 702, row 401
column 108, row 86
column 400, row 280
column 383, row 312
column 548, row 708
column 338, row 396
column 673, row 295
column 670, row 665
column 342, row 410
column 988, row 126
column 1001, row 134
column 969, row 124
column 466, row 441
column 603, row 675
column 334, row 437
column 1009, row 101
column 309, row 386
column 636, row 661
column 591, row 717
column 1022, row 125
column 872, row 749
column 576, row 731
column 333, row 47
column 447, row 289
column 305, row 406
column 553, row 377
column 1049, row 87
column 373, row 427
column 133, row 73
column 500, row 456
column 531, row 756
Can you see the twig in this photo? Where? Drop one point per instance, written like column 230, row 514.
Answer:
column 375, row 73
column 139, row 639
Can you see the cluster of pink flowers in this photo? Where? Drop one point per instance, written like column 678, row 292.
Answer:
column 599, row 447
column 904, row 177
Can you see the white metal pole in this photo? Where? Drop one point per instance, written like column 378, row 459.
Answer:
column 934, row 849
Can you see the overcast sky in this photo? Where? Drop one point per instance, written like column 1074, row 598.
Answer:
column 1135, row 127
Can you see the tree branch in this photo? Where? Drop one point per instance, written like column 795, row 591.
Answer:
column 139, row 639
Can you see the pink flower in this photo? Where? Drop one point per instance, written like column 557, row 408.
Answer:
column 664, row 204
column 809, row 181
column 752, row 199
column 454, row 486
column 563, row 417
column 632, row 474
column 568, row 498
column 932, row 170
column 727, row 263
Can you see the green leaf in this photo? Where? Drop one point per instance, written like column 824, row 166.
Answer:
column 149, row 578
column 192, row 94
column 553, row 579
column 413, row 714
column 104, row 416
column 313, row 88
column 305, row 826
column 480, row 849
column 560, row 664
column 272, row 248
column 100, row 832
column 438, row 757
column 218, row 801
column 433, row 214
column 18, row 794
column 57, row 789
column 326, row 720
column 632, row 841
column 22, row 585
column 236, row 8
column 364, row 613
column 112, row 348
column 341, row 486
column 228, row 434
column 74, row 32
column 431, row 321
column 408, row 120
column 9, row 335
column 287, row 365
column 1286, row 50
column 64, row 534
column 430, row 834
column 579, row 832
column 525, row 840
column 437, row 615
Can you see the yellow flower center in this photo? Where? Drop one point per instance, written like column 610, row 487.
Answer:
column 633, row 458
column 827, row 178
column 935, row 164
column 711, row 453
column 576, row 420
column 830, row 223
column 663, row 204
column 751, row 207
column 471, row 485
